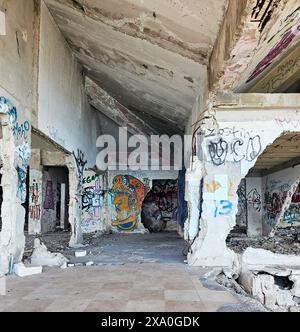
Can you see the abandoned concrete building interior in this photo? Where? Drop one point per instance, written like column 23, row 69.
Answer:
column 222, row 233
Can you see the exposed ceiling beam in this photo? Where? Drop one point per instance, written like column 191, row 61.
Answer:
column 111, row 108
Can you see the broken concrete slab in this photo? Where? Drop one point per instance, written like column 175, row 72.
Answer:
column 260, row 259
column 41, row 256
column 23, row 271
column 80, row 253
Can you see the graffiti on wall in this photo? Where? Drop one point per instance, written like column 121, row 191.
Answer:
column 22, row 160
column 231, row 144
column 292, row 214
column 34, row 201
column 254, row 199
column 80, row 163
column 284, row 42
column 241, row 217
column 128, row 194
column 219, row 190
column 49, row 196
column 274, row 198
column 19, row 129
column 164, row 194
column 92, row 202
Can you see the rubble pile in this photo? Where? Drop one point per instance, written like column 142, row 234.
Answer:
column 285, row 241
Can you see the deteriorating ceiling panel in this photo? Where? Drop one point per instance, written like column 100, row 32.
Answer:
column 150, row 55
column 286, row 149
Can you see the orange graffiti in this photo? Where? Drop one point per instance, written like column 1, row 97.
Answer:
column 213, row 187
column 128, row 193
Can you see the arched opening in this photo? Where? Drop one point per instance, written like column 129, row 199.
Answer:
column 269, row 200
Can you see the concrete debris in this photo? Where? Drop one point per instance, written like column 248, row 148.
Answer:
column 80, row 253
column 41, row 256
column 284, row 241
column 24, row 271
column 258, row 259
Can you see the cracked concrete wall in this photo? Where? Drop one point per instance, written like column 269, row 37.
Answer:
column 230, row 146
column 16, row 106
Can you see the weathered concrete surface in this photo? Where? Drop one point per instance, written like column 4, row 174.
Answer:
column 185, row 27
column 142, row 76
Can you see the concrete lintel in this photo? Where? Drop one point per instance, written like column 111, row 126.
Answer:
column 53, row 158
column 118, row 113
column 257, row 101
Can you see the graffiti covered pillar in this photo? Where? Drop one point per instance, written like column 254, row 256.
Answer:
column 35, row 193
column 15, row 152
column 76, row 165
column 93, row 215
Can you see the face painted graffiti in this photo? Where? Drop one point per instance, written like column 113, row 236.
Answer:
column 229, row 144
column 128, row 195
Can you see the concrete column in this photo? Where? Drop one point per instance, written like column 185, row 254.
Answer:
column 75, row 207
column 62, row 205
column 218, row 217
column 12, row 239
column 35, row 193
column 254, row 206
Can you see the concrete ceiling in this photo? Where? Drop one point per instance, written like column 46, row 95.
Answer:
column 150, row 55
column 283, row 153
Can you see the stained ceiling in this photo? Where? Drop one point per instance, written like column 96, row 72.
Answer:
column 150, row 55
column 285, row 150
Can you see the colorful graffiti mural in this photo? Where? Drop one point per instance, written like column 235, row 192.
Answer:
column 292, row 215
column 128, row 194
column 92, row 202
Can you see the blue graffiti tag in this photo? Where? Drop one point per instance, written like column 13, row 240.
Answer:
column 20, row 130
column 224, row 208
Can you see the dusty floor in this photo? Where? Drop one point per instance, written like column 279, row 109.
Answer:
column 166, row 247
column 285, row 241
column 130, row 273
column 132, row 287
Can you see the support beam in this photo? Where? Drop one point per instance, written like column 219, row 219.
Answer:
column 111, row 108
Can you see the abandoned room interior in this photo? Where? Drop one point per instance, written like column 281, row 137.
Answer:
column 217, row 80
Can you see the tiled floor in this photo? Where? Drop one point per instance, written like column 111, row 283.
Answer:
column 131, row 287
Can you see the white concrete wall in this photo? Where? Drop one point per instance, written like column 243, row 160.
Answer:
column 64, row 114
